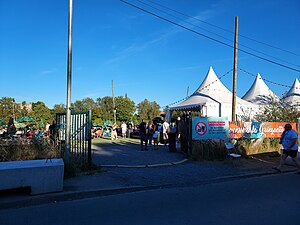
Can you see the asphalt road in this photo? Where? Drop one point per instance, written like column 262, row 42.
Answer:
column 272, row 199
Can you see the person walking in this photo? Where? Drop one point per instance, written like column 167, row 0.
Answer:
column 114, row 135
column 143, row 135
column 289, row 141
column 165, row 128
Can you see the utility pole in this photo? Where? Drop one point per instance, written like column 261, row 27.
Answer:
column 113, row 98
column 187, row 91
column 69, row 79
column 233, row 118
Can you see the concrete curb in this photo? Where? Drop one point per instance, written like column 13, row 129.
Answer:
column 76, row 195
column 145, row 166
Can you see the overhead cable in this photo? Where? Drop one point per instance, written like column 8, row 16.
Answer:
column 221, row 28
column 213, row 39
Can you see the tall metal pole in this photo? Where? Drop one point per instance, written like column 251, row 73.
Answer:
column 69, row 79
column 233, row 118
column 113, row 98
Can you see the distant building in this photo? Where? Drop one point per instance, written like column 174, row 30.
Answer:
column 25, row 105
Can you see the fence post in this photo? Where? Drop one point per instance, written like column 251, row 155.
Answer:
column 190, row 143
column 298, row 131
column 90, row 138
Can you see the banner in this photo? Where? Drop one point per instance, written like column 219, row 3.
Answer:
column 209, row 128
column 257, row 129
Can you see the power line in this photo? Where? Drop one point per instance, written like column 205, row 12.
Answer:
column 221, row 28
column 213, row 39
column 212, row 32
column 268, row 81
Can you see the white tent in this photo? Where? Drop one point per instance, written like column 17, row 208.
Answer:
column 293, row 96
column 259, row 93
column 212, row 98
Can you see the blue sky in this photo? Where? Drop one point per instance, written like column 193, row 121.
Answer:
column 147, row 58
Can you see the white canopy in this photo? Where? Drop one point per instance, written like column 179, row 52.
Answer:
column 293, row 96
column 259, row 93
column 212, row 98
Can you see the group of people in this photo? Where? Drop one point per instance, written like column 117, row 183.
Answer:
column 151, row 133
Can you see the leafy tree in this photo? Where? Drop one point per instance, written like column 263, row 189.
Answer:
column 84, row 104
column 106, row 106
column 59, row 108
column 125, row 108
column 279, row 112
column 148, row 110
column 97, row 112
column 41, row 112
column 7, row 108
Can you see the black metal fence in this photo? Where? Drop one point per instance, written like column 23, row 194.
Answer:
column 185, row 133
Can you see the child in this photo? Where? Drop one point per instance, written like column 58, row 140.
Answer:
column 155, row 137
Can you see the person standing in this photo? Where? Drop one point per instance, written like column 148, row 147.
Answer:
column 150, row 131
column 172, row 131
column 114, row 135
column 165, row 128
column 155, row 137
column 124, row 129
column 289, row 141
column 143, row 135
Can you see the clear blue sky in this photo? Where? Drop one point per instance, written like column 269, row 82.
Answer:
column 145, row 56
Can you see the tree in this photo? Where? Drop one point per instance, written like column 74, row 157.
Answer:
column 148, row 110
column 125, row 108
column 279, row 112
column 7, row 108
column 59, row 108
column 84, row 105
column 41, row 112
column 106, row 106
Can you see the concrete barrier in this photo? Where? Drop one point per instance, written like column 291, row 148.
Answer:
column 43, row 176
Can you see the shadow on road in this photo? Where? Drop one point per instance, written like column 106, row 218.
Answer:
column 127, row 152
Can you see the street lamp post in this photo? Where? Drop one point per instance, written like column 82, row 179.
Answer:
column 69, row 79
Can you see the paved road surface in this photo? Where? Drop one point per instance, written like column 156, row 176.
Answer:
column 272, row 199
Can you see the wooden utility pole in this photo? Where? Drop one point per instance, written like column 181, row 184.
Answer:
column 233, row 115
column 187, row 91
column 113, row 98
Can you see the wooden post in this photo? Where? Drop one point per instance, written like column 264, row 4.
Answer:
column 233, row 115
column 113, row 98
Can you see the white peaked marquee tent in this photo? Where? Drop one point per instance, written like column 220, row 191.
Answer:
column 293, row 95
column 212, row 98
column 259, row 93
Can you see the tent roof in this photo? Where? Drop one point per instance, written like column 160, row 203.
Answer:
column 293, row 95
column 259, row 93
column 212, row 90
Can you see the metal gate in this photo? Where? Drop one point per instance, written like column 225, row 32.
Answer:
column 80, row 135
column 185, row 133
